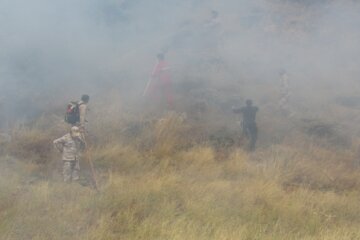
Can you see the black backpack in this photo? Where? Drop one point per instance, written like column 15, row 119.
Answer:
column 72, row 115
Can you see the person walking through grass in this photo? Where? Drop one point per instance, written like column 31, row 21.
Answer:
column 70, row 145
column 249, row 122
column 76, row 112
column 285, row 92
column 160, row 85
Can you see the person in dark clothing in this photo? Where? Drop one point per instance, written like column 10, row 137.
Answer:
column 249, row 122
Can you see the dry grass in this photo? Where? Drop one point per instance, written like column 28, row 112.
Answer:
column 30, row 145
column 182, row 191
column 165, row 178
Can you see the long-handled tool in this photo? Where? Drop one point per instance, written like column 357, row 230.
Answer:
column 146, row 90
column 88, row 156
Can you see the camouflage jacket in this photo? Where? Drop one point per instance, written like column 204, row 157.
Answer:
column 69, row 147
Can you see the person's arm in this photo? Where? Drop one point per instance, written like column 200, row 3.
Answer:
column 59, row 144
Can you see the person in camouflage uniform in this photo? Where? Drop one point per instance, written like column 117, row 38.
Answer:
column 70, row 145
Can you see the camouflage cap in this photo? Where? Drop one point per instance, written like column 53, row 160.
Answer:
column 75, row 131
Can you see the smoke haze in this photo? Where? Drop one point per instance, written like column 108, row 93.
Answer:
column 54, row 51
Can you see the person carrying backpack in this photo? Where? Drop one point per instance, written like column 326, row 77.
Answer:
column 76, row 112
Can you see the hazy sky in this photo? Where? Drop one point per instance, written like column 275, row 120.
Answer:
column 67, row 45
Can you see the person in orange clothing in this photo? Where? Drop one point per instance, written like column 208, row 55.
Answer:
column 160, row 84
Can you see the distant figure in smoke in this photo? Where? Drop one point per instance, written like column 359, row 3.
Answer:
column 249, row 122
column 284, row 92
column 160, row 85
column 70, row 145
column 214, row 21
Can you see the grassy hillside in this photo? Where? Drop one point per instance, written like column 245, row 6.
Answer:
column 186, row 174
column 157, row 184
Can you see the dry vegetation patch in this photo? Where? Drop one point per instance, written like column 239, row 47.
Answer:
column 176, row 188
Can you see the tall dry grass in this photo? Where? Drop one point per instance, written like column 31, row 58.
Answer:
column 178, row 189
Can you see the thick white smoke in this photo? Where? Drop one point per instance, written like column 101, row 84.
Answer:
column 56, row 50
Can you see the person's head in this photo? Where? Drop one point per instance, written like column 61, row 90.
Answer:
column 85, row 98
column 75, row 132
column 248, row 102
column 214, row 14
column 160, row 56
